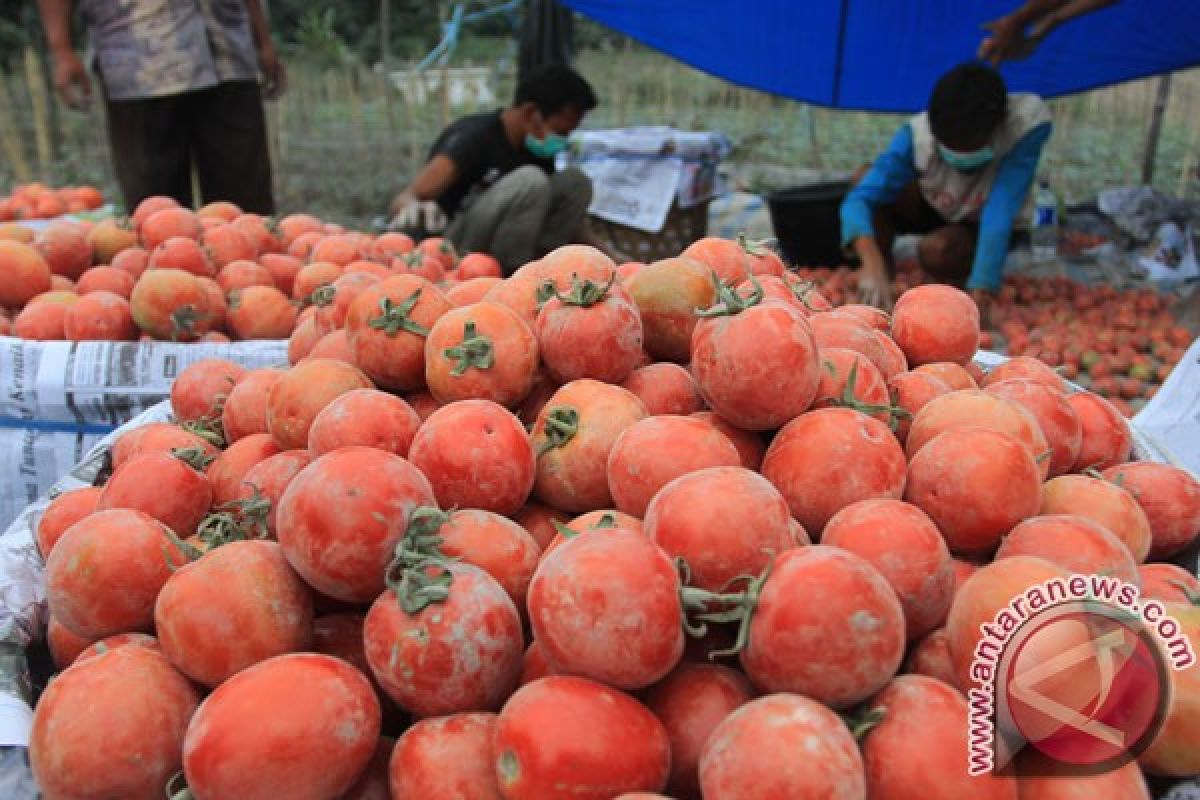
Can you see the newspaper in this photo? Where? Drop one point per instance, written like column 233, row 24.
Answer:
column 1170, row 422
column 637, row 173
column 106, row 383
column 61, row 397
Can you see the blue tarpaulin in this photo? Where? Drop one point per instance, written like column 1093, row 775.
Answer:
column 885, row 55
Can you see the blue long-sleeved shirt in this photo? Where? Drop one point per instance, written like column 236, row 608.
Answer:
column 895, row 169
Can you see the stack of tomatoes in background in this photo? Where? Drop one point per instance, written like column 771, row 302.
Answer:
column 215, row 274
column 1120, row 343
column 36, row 201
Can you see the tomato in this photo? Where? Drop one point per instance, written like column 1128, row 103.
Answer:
column 1107, row 440
column 1055, row 416
column 1102, row 502
column 245, row 587
column 722, row 521
column 690, row 703
column 756, row 367
column 386, row 327
column 974, row 408
column 341, row 516
column 495, row 544
column 723, row 257
column 476, row 454
column 573, row 437
column 827, row 625
column 667, row 293
column 654, row 451
column 366, row 417
column 295, row 400
column 1075, row 543
column 301, row 726
column 447, row 756
column 569, row 738
column 752, row 753
column 975, row 484
column 665, row 389
column 111, row 726
column 1170, row 498
column 591, row 331
column 462, row 653
column 901, row 542
column 482, row 351
column 918, row 749
column 162, row 485
column 827, row 459
column 606, row 605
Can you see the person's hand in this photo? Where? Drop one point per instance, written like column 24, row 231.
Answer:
column 71, row 80
column 274, row 74
column 1006, row 42
column 874, row 288
column 409, row 213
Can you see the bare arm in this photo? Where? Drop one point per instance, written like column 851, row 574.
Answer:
column 70, row 77
column 430, row 183
column 874, row 286
column 274, row 75
column 1018, row 34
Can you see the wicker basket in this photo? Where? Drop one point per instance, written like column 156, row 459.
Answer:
column 683, row 226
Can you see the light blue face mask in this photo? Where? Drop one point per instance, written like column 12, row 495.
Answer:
column 966, row 162
column 549, row 147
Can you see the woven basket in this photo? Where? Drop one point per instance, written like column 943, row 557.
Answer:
column 683, row 226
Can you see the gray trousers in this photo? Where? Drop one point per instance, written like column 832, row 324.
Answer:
column 523, row 216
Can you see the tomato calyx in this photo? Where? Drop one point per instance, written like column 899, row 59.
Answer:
column 701, row 606
column 184, row 320
column 862, row 722
column 607, row 521
column 395, row 316
column 562, row 423
column 323, row 295
column 583, row 294
column 194, row 457
column 236, row 521
column 728, row 301
column 419, row 572
column 850, row 400
column 475, row 350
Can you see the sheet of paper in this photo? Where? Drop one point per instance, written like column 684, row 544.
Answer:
column 1171, row 420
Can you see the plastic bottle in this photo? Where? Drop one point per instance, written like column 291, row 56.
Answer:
column 1044, row 231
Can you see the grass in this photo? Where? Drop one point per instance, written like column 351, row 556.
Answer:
column 343, row 143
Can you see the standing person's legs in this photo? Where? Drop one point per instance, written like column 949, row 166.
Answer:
column 506, row 219
column 229, row 137
column 151, row 148
column 570, row 196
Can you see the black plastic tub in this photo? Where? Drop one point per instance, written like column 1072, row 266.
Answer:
column 807, row 225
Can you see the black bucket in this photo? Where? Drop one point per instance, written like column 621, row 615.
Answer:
column 807, row 223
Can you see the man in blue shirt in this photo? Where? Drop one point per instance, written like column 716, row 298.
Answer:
column 958, row 174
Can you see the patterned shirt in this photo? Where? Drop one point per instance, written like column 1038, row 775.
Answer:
column 154, row 48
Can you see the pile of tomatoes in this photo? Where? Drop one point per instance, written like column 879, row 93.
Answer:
column 215, row 274
column 670, row 530
column 38, row 201
column 1119, row 343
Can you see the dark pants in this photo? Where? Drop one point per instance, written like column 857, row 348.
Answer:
column 524, row 215
column 222, row 131
column 946, row 250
